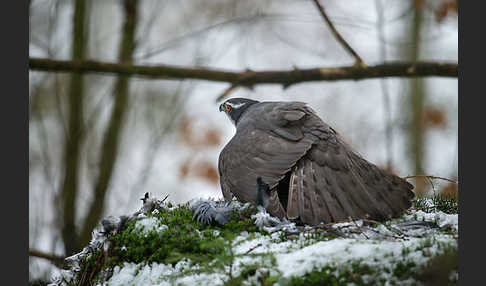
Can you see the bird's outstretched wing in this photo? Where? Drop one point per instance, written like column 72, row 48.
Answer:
column 268, row 143
column 328, row 182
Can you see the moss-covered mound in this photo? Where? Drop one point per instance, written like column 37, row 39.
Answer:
column 165, row 246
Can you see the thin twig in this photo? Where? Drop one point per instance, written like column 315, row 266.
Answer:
column 431, row 177
column 165, row 198
column 358, row 60
column 253, row 248
column 432, row 184
column 390, row 228
column 360, row 229
column 389, row 235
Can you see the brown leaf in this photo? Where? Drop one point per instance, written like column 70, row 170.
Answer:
column 448, row 6
column 184, row 170
column 204, row 136
column 212, row 137
column 207, row 171
column 450, row 189
column 433, row 117
column 204, row 170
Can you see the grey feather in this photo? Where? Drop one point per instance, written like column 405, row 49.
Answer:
column 312, row 174
column 208, row 212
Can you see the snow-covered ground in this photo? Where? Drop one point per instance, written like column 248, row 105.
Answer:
column 413, row 239
column 293, row 259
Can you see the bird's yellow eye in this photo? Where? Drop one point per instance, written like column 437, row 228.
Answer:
column 228, row 107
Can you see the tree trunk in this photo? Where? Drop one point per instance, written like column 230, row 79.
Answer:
column 111, row 140
column 74, row 134
column 416, row 129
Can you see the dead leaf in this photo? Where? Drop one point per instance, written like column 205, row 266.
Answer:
column 433, row 117
column 446, row 8
column 450, row 189
column 201, row 137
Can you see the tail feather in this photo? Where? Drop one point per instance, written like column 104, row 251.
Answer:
column 325, row 193
column 274, row 207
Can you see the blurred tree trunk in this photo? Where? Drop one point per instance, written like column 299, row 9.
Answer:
column 111, row 140
column 416, row 129
column 73, row 137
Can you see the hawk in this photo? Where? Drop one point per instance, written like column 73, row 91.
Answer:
column 286, row 159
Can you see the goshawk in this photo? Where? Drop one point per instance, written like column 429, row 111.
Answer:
column 286, row 159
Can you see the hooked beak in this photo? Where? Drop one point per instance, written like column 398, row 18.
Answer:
column 221, row 107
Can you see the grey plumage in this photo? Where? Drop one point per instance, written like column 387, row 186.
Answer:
column 207, row 212
column 312, row 174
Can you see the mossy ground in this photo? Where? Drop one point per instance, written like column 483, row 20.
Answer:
column 446, row 203
column 184, row 238
column 210, row 247
column 437, row 270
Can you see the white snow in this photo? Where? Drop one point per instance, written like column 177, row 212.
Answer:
column 380, row 246
column 149, row 224
column 161, row 275
column 439, row 217
column 383, row 248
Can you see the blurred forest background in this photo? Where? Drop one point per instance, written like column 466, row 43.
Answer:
column 98, row 142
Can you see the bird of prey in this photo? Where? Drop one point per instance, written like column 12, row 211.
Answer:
column 286, row 159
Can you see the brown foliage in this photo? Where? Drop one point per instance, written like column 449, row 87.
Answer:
column 450, row 189
column 202, row 169
column 199, row 136
column 433, row 117
column 446, row 8
column 207, row 137
column 206, row 171
column 441, row 11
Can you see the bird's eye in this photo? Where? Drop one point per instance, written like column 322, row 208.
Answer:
column 228, row 108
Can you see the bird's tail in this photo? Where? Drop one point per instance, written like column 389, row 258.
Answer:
column 320, row 191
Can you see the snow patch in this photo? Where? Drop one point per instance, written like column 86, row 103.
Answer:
column 149, row 224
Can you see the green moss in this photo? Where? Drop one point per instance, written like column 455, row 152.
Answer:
column 329, row 275
column 263, row 278
column 245, row 273
column 90, row 267
column 210, row 247
column 446, row 203
column 184, row 238
column 436, row 271
column 404, row 270
column 440, row 202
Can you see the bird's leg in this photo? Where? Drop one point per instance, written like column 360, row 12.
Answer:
column 263, row 219
column 263, row 194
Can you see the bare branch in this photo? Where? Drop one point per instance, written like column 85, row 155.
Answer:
column 55, row 259
column 249, row 78
column 358, row 60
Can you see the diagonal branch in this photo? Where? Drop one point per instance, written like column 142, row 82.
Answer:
column 358, row 60
column 249, row 78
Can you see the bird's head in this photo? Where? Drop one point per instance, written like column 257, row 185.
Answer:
column 234, row 107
